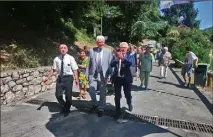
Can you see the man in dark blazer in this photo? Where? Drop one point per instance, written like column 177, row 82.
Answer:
column 122, row 77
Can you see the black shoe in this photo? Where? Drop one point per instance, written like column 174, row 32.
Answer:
column 130, row 107
column 66, row 113
column 116, row 117
column 100, row 113
column 94, row 107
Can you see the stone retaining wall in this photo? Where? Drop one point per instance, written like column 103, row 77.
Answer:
column 19, row 84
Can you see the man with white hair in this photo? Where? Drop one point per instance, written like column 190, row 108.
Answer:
column 164, row 61
column 132, row 59
column 98, row 71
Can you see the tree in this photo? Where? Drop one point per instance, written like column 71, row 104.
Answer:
column 186, row 11
column 149, row 23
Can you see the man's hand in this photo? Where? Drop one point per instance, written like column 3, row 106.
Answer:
column 76, row 82
column 46, row 80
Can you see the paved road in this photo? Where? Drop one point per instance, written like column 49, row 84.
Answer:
column 164, row 99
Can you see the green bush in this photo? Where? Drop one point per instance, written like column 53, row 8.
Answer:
column 24, row 59
column 192, row 38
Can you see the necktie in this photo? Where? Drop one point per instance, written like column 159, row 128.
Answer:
column 119, row 68
column 62, row 65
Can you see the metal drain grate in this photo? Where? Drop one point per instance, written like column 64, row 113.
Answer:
column 163, row 121
column 141, row 118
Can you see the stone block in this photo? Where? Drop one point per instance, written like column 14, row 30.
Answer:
column 3, row 74
column 25, row 89
column 37, row 89
column 17, row 88
column 20, row 81
column 9, row 97
column 15, row 75
column 25, row 84
column 35, row 74
column 11, row 84
column 30, row 78
column 19, row 95
column 25, row 75
column 4, row 88
column 6, row 80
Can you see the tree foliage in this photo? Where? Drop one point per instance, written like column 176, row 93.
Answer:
column 186, row 11
column 38, row 27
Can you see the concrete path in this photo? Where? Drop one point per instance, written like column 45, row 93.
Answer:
column 164, row 99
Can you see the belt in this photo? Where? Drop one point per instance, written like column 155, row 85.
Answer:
column 66, row 76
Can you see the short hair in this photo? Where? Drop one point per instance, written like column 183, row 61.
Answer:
column 100, row 37
column 166, row 48
column 62, row 45
column 188, row 48
column 125, row 44
column 85, row 47
column 82, row 50
column 118, row 50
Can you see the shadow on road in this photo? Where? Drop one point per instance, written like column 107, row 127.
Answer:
column 155, row 76
column 81, row 124
column 169, row 83
column 208, row 104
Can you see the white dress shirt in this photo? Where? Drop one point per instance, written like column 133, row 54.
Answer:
column 69, row 64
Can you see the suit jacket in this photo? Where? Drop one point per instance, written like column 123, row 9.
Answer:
column 92, row 63
column 125, row 70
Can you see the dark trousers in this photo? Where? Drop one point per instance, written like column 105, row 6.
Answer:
column 64, row 85
column 118, row 83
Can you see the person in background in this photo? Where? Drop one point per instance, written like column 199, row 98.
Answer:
column 121, row 78
column 190, row 60
column 154, row 52
column 145, row 64
column 66, row 67
column 82, row 65
column 98, row 72
column 86, row 51
column 164, row 60
column 139, row 51
column 133, row 59
column 159, row 52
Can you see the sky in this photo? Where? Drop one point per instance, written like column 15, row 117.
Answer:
column 205, row 13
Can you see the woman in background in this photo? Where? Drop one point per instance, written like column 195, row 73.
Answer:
column 82, row 64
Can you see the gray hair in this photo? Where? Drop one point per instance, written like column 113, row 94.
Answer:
column 166, row 48
column 100, row 37
column 124, row 44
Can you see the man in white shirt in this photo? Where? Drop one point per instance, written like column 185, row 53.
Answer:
column 190, row 60
column 66, row 68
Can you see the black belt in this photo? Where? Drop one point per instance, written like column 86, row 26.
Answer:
column 64, row 76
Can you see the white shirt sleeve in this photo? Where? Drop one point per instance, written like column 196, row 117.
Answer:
column 74, row 65
column 193, row 56
column 54, row 67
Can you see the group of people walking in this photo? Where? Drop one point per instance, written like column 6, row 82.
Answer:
column 100, row 65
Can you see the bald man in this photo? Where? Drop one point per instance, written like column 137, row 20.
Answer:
column 66, row 68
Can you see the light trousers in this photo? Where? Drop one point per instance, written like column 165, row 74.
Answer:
column 163, row 71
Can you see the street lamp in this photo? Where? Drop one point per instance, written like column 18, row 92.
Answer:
column 108, row 15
